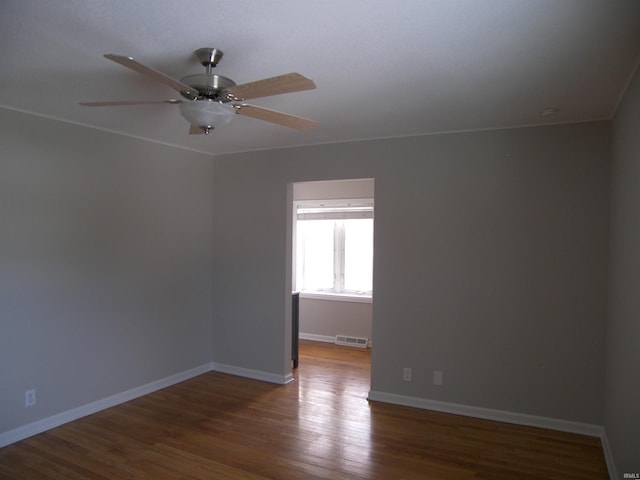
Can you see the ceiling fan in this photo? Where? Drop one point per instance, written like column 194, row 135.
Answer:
column 212, row 100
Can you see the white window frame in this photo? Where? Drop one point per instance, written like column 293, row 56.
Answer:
column 337, row 292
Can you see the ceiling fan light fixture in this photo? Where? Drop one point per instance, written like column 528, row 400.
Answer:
column 208, row 114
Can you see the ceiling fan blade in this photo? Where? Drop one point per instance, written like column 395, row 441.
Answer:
column 194, row 130
column 290, row 82
column 127, row 102
column 153, row 74
column 273, row 116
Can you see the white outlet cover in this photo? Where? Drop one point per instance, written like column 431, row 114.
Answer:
column 406, row 375
column 29, row 398
column 437, row 377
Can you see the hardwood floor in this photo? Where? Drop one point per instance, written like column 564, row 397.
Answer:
column 321, row 426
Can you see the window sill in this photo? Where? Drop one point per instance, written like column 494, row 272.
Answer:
column 337, row 297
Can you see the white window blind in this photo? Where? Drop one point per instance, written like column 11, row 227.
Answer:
column 334, row 213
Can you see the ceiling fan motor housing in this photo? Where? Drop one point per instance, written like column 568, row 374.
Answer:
column 208, row 85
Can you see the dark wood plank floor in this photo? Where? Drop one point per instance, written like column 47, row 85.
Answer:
column 321, row 426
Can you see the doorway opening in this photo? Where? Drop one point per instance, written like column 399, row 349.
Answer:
column 332, row 261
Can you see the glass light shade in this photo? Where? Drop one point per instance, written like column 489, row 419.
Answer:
column 207, row 113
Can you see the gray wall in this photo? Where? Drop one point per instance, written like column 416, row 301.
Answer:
column 490, row 262
column 622, row 393
column 105, row 264
column 330, row 318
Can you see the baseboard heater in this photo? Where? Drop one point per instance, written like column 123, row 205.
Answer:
column 352, row 341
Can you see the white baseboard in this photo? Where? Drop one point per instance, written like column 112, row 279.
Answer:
column 489, row 414
column 317, row 338
column 608, row 456
column 56, row 420
column 253, row 374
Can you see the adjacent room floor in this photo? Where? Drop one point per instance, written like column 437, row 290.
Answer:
column 320, row 426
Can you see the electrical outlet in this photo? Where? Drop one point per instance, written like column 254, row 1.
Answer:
column 29, row 398
column 437, row 377
column 406, row 374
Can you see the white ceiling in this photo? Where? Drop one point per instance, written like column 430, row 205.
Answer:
column 382, row 68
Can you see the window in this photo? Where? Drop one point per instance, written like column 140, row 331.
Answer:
column 334, row 247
